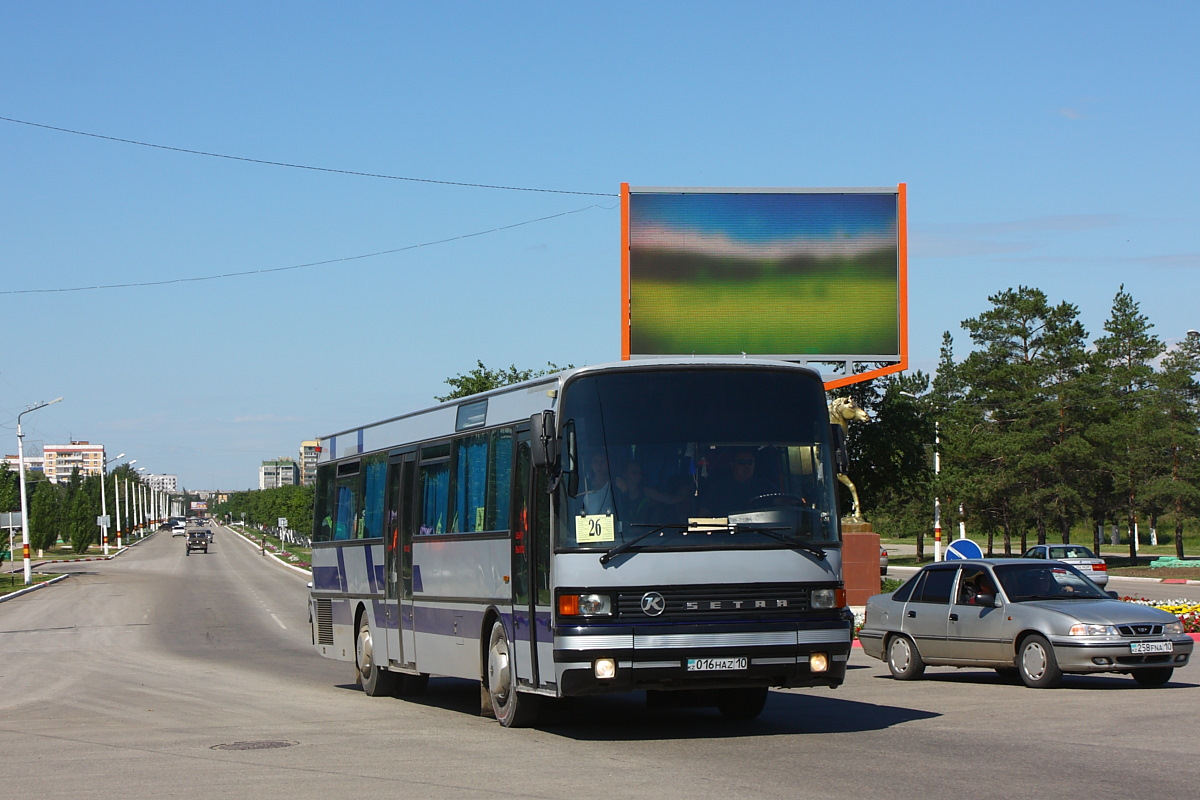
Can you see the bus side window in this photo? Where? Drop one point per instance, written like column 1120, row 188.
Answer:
column 435, row 497
column 375, row 495
column 499, row 479
column 470, row 483
column 325, row 495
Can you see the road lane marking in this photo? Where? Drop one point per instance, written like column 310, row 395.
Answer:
column 279, row 622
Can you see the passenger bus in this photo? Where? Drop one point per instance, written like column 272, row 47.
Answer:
column 659, row 525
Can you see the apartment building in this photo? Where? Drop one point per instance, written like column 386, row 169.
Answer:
column 34, row 463
column 308, row 462
column 163, row 483
column 62, row 459
column 280, row 472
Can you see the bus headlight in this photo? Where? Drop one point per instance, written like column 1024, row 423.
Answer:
column 605, row 669
column 585, row 605
column 827, row 598
column 818, row 662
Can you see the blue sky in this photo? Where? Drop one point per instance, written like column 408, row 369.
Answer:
column 1048, row 145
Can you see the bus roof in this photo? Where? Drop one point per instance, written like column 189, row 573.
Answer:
column 504, row 404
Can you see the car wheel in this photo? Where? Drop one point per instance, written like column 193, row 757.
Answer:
column 903, row 659
column 511, row 708
column 1154, row 676
column 742, row 704
column 373, row 680
column 1036, row 663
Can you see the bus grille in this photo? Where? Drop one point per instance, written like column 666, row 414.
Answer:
column 717, row 603
column 325, row 622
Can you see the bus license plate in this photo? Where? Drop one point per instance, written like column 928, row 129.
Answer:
column 1152, row 647
column 716, row 664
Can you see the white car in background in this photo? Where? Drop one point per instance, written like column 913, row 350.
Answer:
column 1076, row 555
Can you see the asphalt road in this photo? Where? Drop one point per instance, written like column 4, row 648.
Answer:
column 156, row 675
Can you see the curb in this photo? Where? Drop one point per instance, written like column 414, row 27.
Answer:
column 256, row 546
column 33, row 588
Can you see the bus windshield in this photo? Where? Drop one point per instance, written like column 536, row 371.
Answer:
column 696, row 458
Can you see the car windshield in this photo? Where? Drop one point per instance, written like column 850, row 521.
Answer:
column 1070, row 551
column 1024, row 582
column 696, row 458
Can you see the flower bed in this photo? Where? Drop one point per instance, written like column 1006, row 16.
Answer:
column 1188, row 611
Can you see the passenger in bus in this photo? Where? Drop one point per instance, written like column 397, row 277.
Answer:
column 635, row 502
column 737, row 488
column 597, row 493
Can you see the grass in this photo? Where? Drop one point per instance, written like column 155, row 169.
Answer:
column 281, row 549
column 14, row 581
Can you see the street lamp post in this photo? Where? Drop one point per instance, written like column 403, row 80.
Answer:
column 24, row 500
column 104, row 504
column 117, row 495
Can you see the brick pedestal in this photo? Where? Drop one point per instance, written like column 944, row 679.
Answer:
column 860, row 562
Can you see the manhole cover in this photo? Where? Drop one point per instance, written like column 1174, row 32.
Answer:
column 267, row 745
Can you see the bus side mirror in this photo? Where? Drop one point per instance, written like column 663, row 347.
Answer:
column 544, row 442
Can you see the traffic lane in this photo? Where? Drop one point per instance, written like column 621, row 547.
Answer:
column 991, row 738
column 143, row 712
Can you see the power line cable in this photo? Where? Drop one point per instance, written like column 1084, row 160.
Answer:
column 300, row 166
column 303, row 266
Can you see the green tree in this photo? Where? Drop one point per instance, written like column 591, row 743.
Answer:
column 1127, row 432
column 10, row 489
column 482, row 379
column 44, row 512
column 1175, row 406
column 1026, row 419
column 889, row 455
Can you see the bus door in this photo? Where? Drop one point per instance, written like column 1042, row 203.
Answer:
column 398, row 597
column 524, row 618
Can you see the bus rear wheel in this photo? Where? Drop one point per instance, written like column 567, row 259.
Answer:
column 512, row 709
column 373, row 680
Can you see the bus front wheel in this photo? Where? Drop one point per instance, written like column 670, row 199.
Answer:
column 512, row 709
column 371, row 678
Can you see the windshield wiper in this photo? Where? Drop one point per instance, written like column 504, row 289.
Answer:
column 624, row 546
column 774, row 533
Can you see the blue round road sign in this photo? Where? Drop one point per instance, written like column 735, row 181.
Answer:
column 963, row 548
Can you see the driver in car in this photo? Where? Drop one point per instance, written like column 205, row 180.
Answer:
column 737, row 490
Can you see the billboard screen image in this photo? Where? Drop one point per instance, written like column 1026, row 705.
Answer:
column 799, row 274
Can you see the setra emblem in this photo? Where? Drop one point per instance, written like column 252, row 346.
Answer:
column 653, row 604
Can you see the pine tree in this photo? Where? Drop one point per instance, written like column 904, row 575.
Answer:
column 1127, row 432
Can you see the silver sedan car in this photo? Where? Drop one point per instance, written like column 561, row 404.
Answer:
column 1036, row 619
column 1076, row 555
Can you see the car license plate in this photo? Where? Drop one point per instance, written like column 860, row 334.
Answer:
column 1152, row 647
column 716, row 664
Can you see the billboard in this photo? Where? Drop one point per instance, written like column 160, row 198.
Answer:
column 817, row 276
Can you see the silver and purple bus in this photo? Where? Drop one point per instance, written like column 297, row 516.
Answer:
column 660, row 525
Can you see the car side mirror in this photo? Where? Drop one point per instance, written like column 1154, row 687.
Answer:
column 987, row 600
column 1113, row 595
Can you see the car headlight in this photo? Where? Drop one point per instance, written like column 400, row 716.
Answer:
column 1084, row 629
column 1173, row 627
